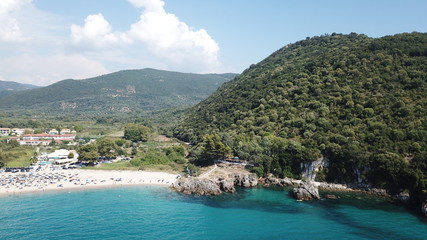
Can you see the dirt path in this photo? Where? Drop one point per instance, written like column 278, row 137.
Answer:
column 206, row 174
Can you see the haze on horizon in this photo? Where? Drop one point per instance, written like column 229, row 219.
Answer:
column 45, row 41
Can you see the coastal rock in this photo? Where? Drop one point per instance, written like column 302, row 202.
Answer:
column 332, row 186
column 198, row 187
column 378, row 192
column 227, row 185
column 306, row 191
column 424, row 208
column 244, row 180
column 216, row 186
column 271, row 180
column 403, row 197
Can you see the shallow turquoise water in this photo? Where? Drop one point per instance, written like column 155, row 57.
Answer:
column 158, row 213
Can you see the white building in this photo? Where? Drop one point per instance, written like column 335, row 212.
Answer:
column 4, row 131
column 61, row 156
column 17, row 131
column 53, row 132
column 43, row 139
column 65, row 131
column 34, row 142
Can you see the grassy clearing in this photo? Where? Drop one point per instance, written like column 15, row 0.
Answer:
column 18, row 157
column 125, row 165
column 122, row 165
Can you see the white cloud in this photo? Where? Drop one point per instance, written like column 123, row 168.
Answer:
column 95, row 33
column 10, row 28
column 170, row 39
column 45, row 70
column 149, row 5
column 164, row 37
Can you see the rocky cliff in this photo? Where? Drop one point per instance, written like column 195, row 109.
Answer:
column 306, row 191
column 215, row 186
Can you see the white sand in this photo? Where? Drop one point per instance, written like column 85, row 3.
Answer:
column 17, row 183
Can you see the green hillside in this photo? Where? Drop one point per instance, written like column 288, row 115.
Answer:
column 359, row 102
column 8, row 87
column 124, row 91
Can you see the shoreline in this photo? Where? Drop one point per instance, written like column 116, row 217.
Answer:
column 16, row 184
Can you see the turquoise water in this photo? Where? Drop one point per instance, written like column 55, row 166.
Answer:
column 159, row 213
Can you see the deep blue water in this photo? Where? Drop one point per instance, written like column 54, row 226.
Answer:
column 159, row 213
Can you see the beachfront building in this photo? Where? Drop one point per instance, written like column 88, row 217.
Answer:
column 53, row 132
column 4, row 131
column 65, row 131
column 58, row 157
column 68, row 137
column 17, row 131
column 44, row 139
column 21, row 131
column 34, row 142
column 63, row 156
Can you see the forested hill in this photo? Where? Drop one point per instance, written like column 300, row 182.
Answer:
column 124, row 91
column 360, row 102
column 14, row 86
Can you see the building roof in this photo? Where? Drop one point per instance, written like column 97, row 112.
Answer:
column 48, row 135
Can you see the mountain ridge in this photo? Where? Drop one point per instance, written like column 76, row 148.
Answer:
column 125, row 90
column 9, row 86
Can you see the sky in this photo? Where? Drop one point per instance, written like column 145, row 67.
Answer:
column 45, row 41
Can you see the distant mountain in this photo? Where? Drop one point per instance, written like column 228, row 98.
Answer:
column 14, row 86
column 124, row 91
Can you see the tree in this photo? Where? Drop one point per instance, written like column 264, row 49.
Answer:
column 136, row 132
column 52, row 143
column 88, row 153
column 78, row 127
column 2, row 160
column 134, row 151
column 71, row 155
column 107, row 148
column 120, row 142
column 214, row 148
column 13, row 143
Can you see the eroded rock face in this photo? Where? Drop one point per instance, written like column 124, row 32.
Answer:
column 204, row 186
column 424, row 208
column 198, row 187
column 281, row 181
column 403, row 197
column 306, row 191
column 227, row 185
column 244, row 180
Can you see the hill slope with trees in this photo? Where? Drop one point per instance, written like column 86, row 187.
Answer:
column 124, row 91
column 355, row 102
column 8, row 87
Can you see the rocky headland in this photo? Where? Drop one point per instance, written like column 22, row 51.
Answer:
column 215, row 185
column 223, row 180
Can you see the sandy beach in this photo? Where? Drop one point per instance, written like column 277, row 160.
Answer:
column 26, row 182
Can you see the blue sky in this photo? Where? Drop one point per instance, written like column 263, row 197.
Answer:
column 44, row 41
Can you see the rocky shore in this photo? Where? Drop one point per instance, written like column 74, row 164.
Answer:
column 216, row 185
column 302, row 190
column 286, row 182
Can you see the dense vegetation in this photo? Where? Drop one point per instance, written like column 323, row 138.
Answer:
column 124, row 92
column 359, row 102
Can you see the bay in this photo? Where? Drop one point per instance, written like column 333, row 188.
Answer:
column 150, row 212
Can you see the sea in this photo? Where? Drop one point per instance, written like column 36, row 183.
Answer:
column 151, row 212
